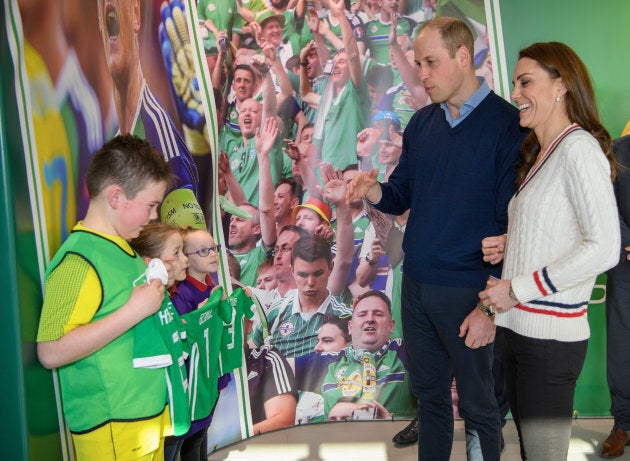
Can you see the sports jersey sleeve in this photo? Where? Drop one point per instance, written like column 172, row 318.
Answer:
column 278, row 378
column 73, row 294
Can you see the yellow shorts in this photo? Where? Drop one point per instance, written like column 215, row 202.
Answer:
column 121, row 441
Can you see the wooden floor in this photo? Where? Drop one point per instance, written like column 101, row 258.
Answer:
column 371, row 441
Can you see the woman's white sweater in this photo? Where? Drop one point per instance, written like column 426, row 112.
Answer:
column 563, row 231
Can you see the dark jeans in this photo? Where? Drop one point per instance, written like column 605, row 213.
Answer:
column 195, row 446
column 192, row 448
column 499, row 380
column 540, row 377
column 618, row 332
column 431, row 317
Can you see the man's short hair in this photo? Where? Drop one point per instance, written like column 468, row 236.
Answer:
column 340, row 322
column 293, row 228
column 311, row 248
column 293, row 61
column 454, row 33
column 233, row 266
column 351, row 167
column 294, row 186
column 266, row 264
column 380, row 77
column 246, row 68
column 129, row 162
column 375, row 294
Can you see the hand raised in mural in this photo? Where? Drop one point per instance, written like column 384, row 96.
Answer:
column 261, row 63
column 266, row 136
column 366, row 141
column 335, row 188
column 178, row 59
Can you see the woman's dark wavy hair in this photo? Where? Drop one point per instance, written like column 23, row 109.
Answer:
column 560, row 61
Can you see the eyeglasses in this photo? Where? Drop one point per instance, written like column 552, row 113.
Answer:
column 203, row 252
column 279, row 250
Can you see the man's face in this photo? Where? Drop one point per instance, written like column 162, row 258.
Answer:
column 307, row 219
column 371, row 324
column 307, row 135
column 282, row 254
column 243, row 85
column 272, row 32
column 311, row 279
column 266, row 280
column 341, row 71
column 390, row 6
column 313, row 66
column 283, row 202
column 442, row 76
column 133, row 214
column 249, row 118
column 388, row 152
column 119, row 22
column 330, row 339
column 243, row 233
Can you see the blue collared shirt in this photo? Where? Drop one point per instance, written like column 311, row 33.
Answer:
column 469, row 105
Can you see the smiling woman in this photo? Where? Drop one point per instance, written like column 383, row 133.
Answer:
column 563, row 231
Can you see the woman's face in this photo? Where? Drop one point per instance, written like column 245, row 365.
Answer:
column 174, row 258
column 535, row 94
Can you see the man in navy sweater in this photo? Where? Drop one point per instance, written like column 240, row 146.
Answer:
column 456, row 174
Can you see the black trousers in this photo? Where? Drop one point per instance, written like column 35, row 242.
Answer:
column 540, row 377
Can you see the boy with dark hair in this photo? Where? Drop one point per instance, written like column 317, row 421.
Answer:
column 95, row 295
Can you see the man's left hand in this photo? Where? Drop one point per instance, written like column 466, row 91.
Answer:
column 478, row 328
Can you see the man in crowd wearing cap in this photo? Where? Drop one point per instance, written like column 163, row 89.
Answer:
column 313, row 216
column 287, row 29
column 380, row 145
